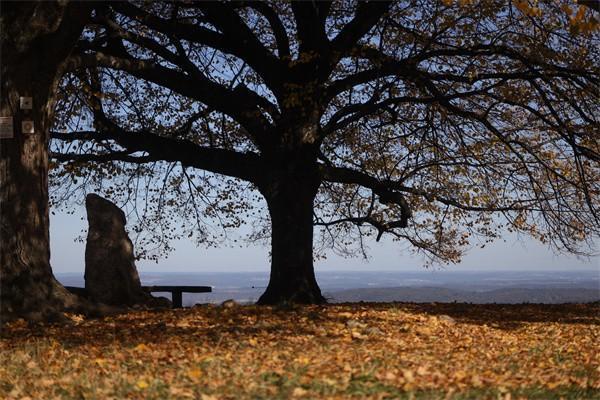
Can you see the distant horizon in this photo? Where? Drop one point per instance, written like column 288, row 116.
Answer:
column 536, row 271
column 371, row 285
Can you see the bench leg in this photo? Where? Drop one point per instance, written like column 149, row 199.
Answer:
column 176, row 299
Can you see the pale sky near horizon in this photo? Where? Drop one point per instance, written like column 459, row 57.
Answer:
column 514, row 254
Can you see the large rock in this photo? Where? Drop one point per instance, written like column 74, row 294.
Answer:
column 110, row 273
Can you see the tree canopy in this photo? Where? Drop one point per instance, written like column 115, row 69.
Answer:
column 437, row 123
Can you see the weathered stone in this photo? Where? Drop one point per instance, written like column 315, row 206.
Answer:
column 229, row 303
column 110, row 273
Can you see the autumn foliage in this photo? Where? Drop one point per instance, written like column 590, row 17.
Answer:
column 343, row 351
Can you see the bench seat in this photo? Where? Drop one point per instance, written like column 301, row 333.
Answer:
column 176, row 291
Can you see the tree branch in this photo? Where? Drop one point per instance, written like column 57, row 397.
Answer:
column 237, row 39
column 366, row 16
column 102, row 158
column 283, row 43
column 239, row 103
column 310, row 21
column 392, row 191
column 246, row 166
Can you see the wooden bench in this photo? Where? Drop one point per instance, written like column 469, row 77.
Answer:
column 176, row 291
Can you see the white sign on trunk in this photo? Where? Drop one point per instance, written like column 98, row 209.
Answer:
column 6, row 128
column 25, row 103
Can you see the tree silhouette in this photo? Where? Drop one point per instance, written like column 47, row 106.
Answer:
column 432, row 122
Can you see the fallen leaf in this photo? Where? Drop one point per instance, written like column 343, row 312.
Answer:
column 194, row 374
column 141, row 384
column 409, row 376
column 141, row 348
column 299, row 392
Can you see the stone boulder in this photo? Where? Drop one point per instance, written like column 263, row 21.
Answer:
column 110, row 273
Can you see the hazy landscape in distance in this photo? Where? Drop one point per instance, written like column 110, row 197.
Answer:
column 508, row 287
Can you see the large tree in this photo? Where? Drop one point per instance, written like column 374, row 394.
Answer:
column 36, row 39
column 432, row 122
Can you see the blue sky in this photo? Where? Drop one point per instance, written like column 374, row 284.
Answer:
column 514, row 254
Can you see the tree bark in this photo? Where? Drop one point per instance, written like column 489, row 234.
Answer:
column 290, row 196
column 37, row 37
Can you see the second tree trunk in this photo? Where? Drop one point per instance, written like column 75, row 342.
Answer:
column 292, row 279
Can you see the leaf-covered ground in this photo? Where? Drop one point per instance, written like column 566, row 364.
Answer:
column 338, row 351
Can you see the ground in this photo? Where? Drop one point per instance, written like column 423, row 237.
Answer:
column 337, row 352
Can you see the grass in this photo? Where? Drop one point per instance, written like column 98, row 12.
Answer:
column 380, row 351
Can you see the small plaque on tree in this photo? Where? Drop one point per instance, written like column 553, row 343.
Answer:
column 6, row 128
column 25, row 103
column 27, row 127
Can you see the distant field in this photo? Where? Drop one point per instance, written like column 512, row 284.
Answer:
column 341, row 351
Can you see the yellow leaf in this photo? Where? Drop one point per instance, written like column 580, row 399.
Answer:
column 358, row 335
column 424, row 331
column 47, row 382
column 552, row 385
column 303, row 360
column 194, row 373
column 77, row 318
column 141, row 384
column 298, row 392
column 460, row 375
column 179, row 392
column 141, row 347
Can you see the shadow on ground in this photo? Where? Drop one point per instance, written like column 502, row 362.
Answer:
column 207, row 323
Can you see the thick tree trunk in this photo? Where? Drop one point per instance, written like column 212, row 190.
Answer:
column 36, row 39
column 290, row 200
column 27, row 283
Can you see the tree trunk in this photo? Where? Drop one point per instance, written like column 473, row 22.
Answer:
column 290, row 200
column 36, row 39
